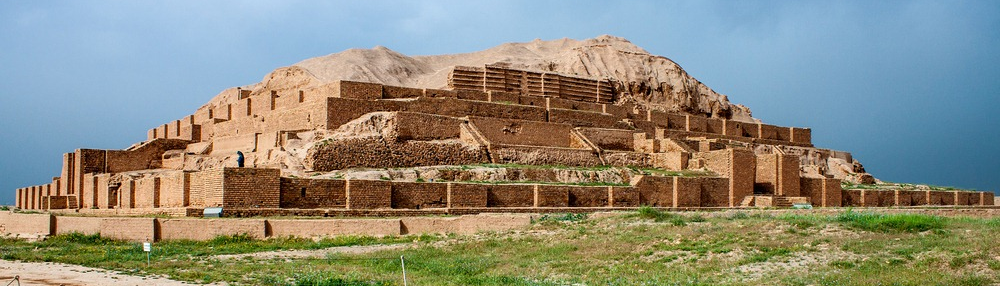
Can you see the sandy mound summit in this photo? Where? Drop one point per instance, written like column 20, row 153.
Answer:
column 639, row 77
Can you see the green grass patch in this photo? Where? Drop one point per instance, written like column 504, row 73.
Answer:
column 890, row 222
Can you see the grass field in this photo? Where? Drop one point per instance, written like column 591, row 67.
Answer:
column 646, row 247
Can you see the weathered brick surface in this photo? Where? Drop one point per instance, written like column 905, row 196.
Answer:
column 851, row 198
column 147, row 193
column 175, row 189
column 71, row 224
column 358, row 90
column 521, row 132
column 583, row 118
column 15, row 223
column 376, row 152
column 588, row 196
column 467, row 195
column 332, row 227
column 469, row 224
column 551, row 196
column 610, row 139
column 714, row 192
column 206, row 229
column 655, row 191
column 106, row 196
column 67, row 179
column 419, row 126
column 696, row 123
column 516, row 154
column 126, row 194
column 88, row 195
column 472, row 95
column 766, row 131
column 714, row 126
column 419, row 195
column 886, row 198
column 766, row 181
column 362, row 194
column 801, row 135
column 686, row 192
column 146, row 156
column 131, row 229
column 510, row 196
column 313, row 193
column 788, row 172
column 624, row 197
column 207, row 188
column 503, row 97
column 251, row 188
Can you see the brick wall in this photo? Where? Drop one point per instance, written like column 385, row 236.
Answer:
column 419, row 195
column 521, row 132
column 588, row 196
column 15, row 223
column 147, row 193
column 207, row 188
column 332, row 227
column 131, row 229
column 510, row 196
column 655, row 191
column 823, row 192
column 206, row 229
column 358, row 90
column 313, row 193
column 71, row 224
column 378, row 153
column 362, row 194
column 146, row 156
column 175, row 189
column 390, row 92
column 516, row 154
column 766, row 174
column 624, row 197
column 582, row 118
column 788, row 172
column 68, row 174
column 551, row 196
column 610, row 139
column 88, row 195
column 766, row 131
column 802, row 135
column 106, row 196
column 126, row 194
column 467, row 195
column 418, row 126
column 251, row 188
column 714, row 126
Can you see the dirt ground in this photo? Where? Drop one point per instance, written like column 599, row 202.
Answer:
column 48, row 273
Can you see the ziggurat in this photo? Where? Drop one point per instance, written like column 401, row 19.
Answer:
column 534, row 128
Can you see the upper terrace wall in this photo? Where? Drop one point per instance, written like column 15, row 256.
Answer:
column 496, row 78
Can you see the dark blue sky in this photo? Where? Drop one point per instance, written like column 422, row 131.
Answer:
column 909, row 87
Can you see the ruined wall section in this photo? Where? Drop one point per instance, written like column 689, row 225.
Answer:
column 497, row 78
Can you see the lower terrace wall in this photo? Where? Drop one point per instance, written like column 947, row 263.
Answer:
column 332, row 227
column 206, row 229
column 71, row 224
column 26, row 224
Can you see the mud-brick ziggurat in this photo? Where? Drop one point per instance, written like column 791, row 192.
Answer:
column 488, row 114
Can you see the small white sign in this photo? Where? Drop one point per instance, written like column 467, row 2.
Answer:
column 147, row 247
